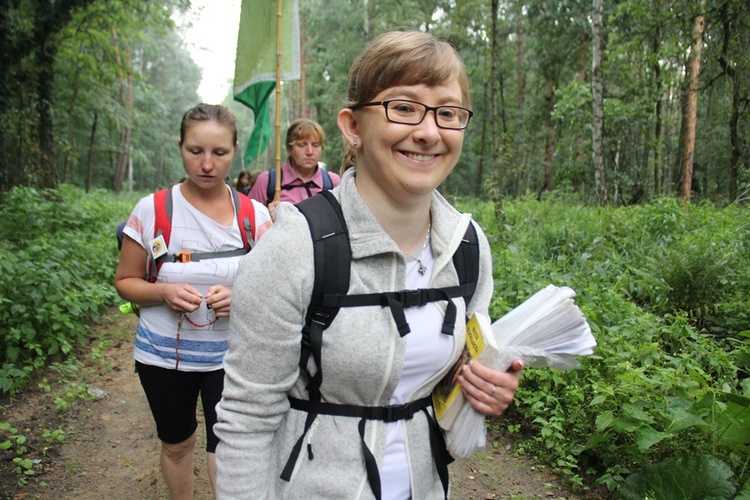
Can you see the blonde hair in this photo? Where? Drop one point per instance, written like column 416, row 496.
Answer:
column 402, row 58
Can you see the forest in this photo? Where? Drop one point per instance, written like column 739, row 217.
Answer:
column 609, row 152
column 619, row 102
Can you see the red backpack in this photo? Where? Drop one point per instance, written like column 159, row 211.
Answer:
column 244, row 210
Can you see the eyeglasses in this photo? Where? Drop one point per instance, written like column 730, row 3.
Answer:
column 409, row 112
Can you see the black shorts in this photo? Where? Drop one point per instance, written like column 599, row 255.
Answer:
column 173, row 398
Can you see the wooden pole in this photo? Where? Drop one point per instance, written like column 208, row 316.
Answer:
column 279, row 11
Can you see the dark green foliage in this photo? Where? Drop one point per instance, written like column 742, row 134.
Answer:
column 57, row 260
column 704, row 478
column 664, row 287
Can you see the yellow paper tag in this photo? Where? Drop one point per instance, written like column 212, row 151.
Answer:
column 158, row 247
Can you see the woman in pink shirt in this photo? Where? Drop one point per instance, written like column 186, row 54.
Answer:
column 302, row 175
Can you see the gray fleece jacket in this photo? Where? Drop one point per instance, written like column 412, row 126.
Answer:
column 362, row 358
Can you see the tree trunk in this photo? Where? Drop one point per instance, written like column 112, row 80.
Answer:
column 616, row 173
column 690, row 112
column 126, row 88
column 734, row 138
column 160, row 167
column 551, row 140
column 658, row 133
column 516, row 161
column 597, row 91
column 519, row 64
column 581, row 78
column 90, row 169
column 497, row 177
column 734, row 116
column 480, row 167
column 482, row 145
column 46, row 176
column 366, row 23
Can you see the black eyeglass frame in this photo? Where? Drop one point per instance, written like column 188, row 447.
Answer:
column 434, row 110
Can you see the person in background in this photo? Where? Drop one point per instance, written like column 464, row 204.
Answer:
column 370, row 430
column 183, row 327
column 253, row 179
column 302, row 175
column 242, row 183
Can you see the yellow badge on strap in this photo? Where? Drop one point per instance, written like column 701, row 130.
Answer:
column 158, row 247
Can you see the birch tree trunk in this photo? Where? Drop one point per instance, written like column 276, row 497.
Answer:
column 597, row 91
column 497, row 197
column 658, row 107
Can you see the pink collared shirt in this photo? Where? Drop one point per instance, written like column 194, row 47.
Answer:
column 296, row 189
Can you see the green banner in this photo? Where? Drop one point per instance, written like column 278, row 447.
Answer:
column 257, row 98
column 255, row 63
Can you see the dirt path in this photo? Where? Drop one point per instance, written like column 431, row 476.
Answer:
column 111, row 451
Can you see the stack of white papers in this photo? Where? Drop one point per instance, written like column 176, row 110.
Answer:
column 546, row 330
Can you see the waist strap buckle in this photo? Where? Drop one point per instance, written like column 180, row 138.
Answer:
column 394, row 413
column 183, row 257
column 412, row 298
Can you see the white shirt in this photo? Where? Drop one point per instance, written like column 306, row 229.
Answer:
column 427, row 351
column 200, row 348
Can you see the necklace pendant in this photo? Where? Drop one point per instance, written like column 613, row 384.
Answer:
column 422, row 268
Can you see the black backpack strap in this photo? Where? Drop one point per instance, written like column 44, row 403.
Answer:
column 398, row 301
column 466, row 262
column 271, row 187
column 332, row 260
column 332, row 263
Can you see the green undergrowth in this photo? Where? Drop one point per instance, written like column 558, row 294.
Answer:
column 36, row 421
column 58, row 255
column 665, row 288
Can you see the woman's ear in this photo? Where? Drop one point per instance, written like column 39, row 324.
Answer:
column 349, row 126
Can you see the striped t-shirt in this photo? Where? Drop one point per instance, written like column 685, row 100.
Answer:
column 200, row 348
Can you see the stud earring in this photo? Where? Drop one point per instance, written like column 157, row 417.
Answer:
column 354, row 143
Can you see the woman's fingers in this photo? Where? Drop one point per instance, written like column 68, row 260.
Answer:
column 490, row 391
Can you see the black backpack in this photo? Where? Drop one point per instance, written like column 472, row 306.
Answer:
column 332, row 262
column 271, row 188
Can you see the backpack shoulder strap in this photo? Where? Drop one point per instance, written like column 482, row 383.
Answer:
column 327, row 182
column 271, row 187
column 163, row 205
column 466, row 262
column 332, row 258
column 332, row 262
column 162, row 226
column 163, row 211
column 245, row 211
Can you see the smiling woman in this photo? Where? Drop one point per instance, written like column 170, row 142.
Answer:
column 364, row 414
column 209, row 29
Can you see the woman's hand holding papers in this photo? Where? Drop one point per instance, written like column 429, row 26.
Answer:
column 489, row 391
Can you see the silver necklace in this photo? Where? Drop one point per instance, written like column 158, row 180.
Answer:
column 418, row 256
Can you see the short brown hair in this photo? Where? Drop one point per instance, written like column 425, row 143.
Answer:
column 405, row 58
column 402, row 58
column 304, row 127
column 209, row 112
